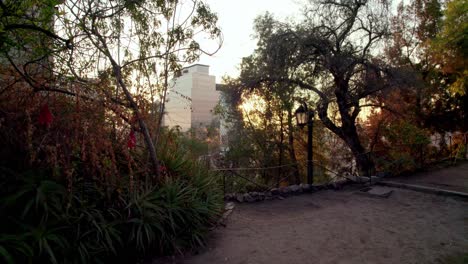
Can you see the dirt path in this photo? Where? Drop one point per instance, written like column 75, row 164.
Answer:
column 341, row 227
column 453, row 178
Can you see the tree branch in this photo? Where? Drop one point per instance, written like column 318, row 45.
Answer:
column 11, row 27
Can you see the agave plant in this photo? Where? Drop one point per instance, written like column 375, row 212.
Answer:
column 14, row 247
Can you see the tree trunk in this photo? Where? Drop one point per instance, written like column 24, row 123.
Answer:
column 141, row 122
column 133, row 105
column 348, row 131
column 364, row 162
column 292, row 152
column 281, row 148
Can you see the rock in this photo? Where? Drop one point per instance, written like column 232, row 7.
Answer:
column 285, row 190
column 353, row 178
column 359, row 179
column 248, row 198
column 254, row 194
column 229, row 206
column 280, row 197
column 240, row 198
column 338, row 185
column 305, row 187
column 375, row 179
column 295, row 188
column 261, row 196
column 229, row 197
column 275, row 191
column 380, row 192
column 365, row 179
column 318, row 187
column 335, row 186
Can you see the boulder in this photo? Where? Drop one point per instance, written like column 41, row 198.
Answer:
column 285, row 190
column 363, row 179
column 275, row 191
column 229, row 206
column 375, row 179
column 305, row 187
column 248, row 198
column 295, row 188
column 261, row 196
column 318, row 187
column 229, row 197
column 240, row 197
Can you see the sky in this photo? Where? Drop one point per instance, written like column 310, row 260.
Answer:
column 235, row 18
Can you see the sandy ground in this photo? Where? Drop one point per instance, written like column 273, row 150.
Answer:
column 453, row 178
column 341, row 227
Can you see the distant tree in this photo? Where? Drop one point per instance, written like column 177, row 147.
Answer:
column 451, row 45
column 436, row 68
column 333, row 54
column 240, row 147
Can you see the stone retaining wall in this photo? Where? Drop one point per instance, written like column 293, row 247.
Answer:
column 280, row 193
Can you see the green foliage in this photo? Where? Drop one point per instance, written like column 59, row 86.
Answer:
column 43, row 221
column 403, row 147
column 72, row 191
column 451, row 45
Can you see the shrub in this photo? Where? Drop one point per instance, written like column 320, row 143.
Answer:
column 44, row 223
column 72, row 192
column 403, row 147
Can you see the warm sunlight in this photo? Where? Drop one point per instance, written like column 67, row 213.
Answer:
column 322, row 131
column 253, row 109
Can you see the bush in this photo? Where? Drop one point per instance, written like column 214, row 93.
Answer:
column 73, row 192
column 44, row 223
column 403, row 147
column 47, row 221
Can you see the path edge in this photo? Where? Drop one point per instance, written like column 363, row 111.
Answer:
column 425, row 189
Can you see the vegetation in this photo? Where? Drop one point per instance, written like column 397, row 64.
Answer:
column 87, row 173
column 385, row 89
column 80, row 195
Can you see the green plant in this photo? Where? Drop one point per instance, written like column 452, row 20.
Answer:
column 93, row 221
column 14, row 246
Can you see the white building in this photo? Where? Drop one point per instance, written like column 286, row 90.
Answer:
column 191, row 99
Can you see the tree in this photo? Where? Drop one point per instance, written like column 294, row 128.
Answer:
column 331, row 53
column 451, row 45
column 122, row 52
column 416, row 46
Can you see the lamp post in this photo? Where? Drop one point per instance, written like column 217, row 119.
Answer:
column 305, row 116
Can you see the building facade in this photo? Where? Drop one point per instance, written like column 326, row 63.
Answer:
column 191, row 99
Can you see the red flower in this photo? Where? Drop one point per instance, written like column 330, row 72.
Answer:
column 131, row 142
column 45, row 116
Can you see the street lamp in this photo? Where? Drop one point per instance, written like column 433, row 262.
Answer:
column 305, row 116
